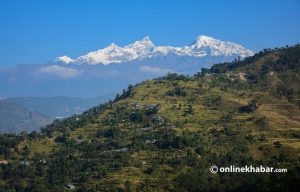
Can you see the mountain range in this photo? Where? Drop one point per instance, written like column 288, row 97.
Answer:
column 203, row 46
column 108, row 70
column 232, row 128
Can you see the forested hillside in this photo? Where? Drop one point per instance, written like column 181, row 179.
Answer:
column 165, row 134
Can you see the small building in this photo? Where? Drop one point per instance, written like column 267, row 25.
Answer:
column 78, row 140
column 59, row 118
column 125, row 149
column 158, row 119
column 26, row 163
column 136, row 105
column 70, row 186
column 43, row 161
column 150, row 141
column 74, row 180
column 152, row 106
column 146, row 128
column 3, row 162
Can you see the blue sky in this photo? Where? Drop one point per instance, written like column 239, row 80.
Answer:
column 35, row 31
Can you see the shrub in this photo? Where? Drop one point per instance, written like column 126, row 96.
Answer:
column 177, row 91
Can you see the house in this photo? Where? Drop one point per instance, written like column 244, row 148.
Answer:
column 70, row 186
column 78, row 140
column 157, row 119
column 158, row 106
column 74, row 180
column 146, row 128
column 136, row 105
column 151, row 141
column 43, row 161
column 125, row 149
column 3, row 162
column 152, row 106
column 26, row 163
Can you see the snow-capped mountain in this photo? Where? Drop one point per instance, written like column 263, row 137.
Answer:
column 112, row 68
column 203, row 46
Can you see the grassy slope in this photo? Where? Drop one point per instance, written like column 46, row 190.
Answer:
column 281, row 117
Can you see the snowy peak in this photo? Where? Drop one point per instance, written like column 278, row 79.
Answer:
column 144, row 44
column 112, row 46
column 146, row 38
column 219, row 48
column 203, row 40
column 65, row 59
column 146, row 41
column 203, row 46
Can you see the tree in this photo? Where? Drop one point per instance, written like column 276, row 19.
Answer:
column 190, row 109
column 128, row 186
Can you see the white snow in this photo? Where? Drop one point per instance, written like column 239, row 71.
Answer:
column 65, row 59
column 202, row 46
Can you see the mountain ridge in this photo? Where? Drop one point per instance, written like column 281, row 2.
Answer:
column 145, row 48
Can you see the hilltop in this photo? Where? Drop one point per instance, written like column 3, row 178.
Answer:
column 165, row 134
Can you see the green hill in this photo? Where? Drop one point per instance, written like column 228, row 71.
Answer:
column 165, row 134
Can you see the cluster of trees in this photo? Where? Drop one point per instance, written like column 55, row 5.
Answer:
column 251, row 107
column 282, row 63
column 177, row 91
column 288, row 60
column 125, row 93
column 9, row 142
column 175, row 77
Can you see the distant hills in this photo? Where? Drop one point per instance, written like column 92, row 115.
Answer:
column 15, row 118
column 19, row 114
column 111, row 69
column 54, row 107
